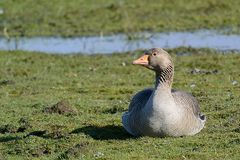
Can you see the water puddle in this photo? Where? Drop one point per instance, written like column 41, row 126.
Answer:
column 121, row 42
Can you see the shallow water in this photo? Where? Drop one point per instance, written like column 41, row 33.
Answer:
column 121, row 43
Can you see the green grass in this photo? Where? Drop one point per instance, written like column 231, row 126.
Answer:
column 81, row 17
column 100, row 88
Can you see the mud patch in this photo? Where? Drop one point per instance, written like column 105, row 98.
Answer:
column 9, row 128
column 62, row 107
column 235, row 141
column 237, row 130
column 24, row 125
column 40, row 151
column 22, row 129
column 37, row 133
column 74, row 151
column 6, row 82
column 56, row 134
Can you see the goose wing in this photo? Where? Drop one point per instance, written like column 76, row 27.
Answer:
column 140, row 99
column 188, row 101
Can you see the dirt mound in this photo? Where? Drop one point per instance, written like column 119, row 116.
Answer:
column 61, row 107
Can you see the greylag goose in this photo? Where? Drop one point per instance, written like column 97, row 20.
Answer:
column 162, row 111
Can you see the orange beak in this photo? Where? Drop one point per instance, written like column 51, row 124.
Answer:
column 142, row 60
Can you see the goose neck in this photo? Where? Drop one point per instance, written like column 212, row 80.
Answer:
column 164, row 77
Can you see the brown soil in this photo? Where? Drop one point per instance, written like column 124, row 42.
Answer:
column 61, row 107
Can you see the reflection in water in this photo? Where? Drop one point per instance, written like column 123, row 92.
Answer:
column 120, row 42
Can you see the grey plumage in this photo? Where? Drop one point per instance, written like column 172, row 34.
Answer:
column 162, row 111
column 140, row 99
column 189, row 101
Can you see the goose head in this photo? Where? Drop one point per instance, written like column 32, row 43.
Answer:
column 155, row 59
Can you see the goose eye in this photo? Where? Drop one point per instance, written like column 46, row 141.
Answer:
column 154, row 54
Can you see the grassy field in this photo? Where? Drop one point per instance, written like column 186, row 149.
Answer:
column 70, row 106
column 100, row 87
column 91, row 17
